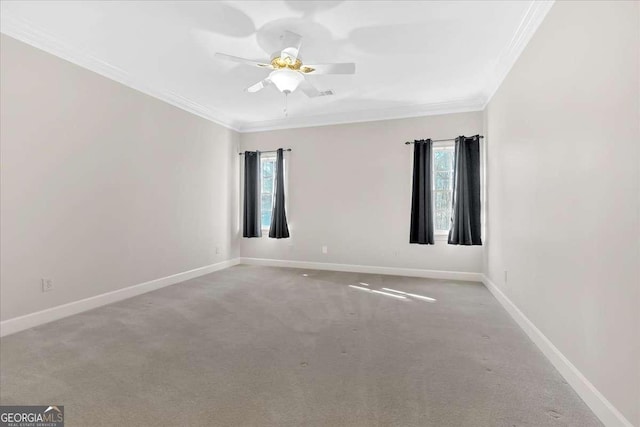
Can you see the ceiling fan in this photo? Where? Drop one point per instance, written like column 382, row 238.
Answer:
column 288, row 71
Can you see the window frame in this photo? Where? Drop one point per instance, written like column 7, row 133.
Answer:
column 436, row 146
column 270, row 157
column 285, row 166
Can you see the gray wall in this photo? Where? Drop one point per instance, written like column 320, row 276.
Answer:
column 350, row 190
column 103, row 187
column 564, row 191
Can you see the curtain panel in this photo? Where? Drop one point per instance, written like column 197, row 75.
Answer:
column 252, row 181
column 279, row 228
column 421, row 206
column 465, row 217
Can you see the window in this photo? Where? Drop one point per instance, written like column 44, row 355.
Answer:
column 267, row 193
column 443, row 156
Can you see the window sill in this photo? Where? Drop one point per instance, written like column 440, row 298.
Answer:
column 441, row 236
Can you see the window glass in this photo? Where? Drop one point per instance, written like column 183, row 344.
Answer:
column 268, row 167
column 442, row 187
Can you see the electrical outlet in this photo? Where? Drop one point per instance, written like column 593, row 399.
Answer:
column 47, row 285
column 325, row 250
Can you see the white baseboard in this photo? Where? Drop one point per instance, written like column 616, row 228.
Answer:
column 603, row 409
column 31, row 320
column 351, row 268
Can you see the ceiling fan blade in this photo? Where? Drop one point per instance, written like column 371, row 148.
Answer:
column 242, row 60
column 311, row 91
column 344, row 68
column 290, row 46
column 258, row 86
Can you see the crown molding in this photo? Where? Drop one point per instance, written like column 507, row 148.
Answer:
column 529, row 24
column 361, row 116
column 26, row 32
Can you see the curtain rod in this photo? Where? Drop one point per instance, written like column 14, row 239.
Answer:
column 270, row 151
column 439, row 140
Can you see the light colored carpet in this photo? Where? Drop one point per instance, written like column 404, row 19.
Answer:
column 261, row 346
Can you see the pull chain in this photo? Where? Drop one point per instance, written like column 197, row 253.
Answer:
column 286, row 99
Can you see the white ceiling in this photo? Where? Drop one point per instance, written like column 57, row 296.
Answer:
column 412, row 57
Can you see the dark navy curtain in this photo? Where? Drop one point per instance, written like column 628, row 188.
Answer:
column 252, row 179
column 465, row 218
column 421, row 205
column 279, row 228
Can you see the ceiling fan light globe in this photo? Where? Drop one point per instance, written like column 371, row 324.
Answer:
column 286, row 80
